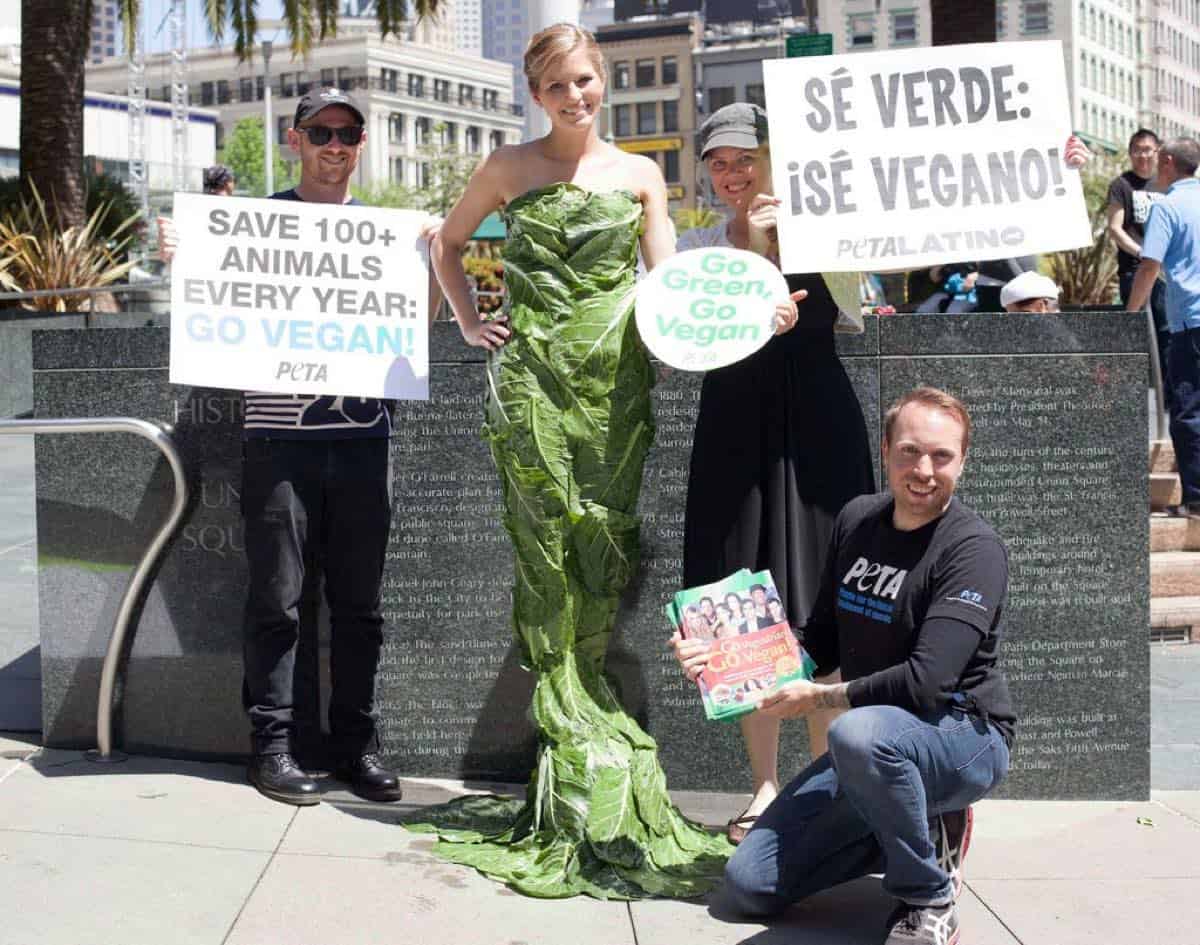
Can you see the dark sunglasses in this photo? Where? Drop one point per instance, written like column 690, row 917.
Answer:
column 321, row 135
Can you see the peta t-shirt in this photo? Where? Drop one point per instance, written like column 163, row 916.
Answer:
column 310, row 416
column 1135, row 195
column 914, row 617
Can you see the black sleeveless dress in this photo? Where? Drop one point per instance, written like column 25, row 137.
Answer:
column 780, row 446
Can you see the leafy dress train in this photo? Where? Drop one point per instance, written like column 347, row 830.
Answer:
column 569, row 424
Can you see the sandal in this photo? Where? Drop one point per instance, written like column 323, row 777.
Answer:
column 739, row 826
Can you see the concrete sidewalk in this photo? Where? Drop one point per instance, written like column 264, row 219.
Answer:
column 155, row 852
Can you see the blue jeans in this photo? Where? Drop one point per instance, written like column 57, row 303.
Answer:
column 864, row 807
column 1183, row 370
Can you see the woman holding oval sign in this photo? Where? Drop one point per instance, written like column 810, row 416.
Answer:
column 780, row 442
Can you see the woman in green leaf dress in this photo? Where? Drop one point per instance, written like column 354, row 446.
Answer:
column 569, row 424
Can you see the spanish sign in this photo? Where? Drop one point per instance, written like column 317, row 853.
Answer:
column 914, row 157
column 290, row 297
column 706, row 308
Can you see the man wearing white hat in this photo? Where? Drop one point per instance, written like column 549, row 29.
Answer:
column 1030, row 292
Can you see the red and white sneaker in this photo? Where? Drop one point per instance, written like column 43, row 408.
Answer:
column 950, row 847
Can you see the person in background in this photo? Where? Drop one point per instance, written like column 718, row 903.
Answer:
column 1030, row 292
column 219, row 181
column 1130, row 197
column 1172, row 249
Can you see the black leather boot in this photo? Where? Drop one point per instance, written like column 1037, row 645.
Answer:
column 278, row 777
column 368, row 778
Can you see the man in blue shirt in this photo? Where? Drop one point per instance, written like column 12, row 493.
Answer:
column 1172, row 248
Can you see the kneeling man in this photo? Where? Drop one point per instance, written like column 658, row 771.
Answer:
column 910, row 609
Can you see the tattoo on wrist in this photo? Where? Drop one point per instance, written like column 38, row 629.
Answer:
column 834, row 697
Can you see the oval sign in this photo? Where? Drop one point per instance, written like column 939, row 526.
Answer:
column 706, row 308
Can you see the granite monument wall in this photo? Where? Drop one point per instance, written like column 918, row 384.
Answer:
column 1057, row 465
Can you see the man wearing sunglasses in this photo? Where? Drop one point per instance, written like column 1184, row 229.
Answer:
column 316, row 488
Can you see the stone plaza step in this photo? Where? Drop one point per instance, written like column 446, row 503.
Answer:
column 1180, row 612
column 1174, row 533
column 1165, row 490
column 1162, row 456
column 1175, row 574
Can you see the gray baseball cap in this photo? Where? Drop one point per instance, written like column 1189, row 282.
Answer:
column 740, row 125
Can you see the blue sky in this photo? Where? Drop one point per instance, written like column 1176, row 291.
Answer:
column 157, row 34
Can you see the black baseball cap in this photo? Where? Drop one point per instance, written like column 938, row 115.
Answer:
column 314, row 100
column 740, row 125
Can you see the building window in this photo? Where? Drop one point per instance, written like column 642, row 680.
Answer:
column 389, row 79
column 441, row 90
column 287, row 88
column 670, row 70
column 644, row 73
column 621, row 126
column 495, row 140
column 670, row 116
column 223, row 92
column 423, row 175
column 398, row 170
column 473, row 137
column 245, row 90
column 621, row 75
column 416, row 85
column 396, row 128
column 671, row 166
column 756, row 95
column 466, row 94
column 421, row 131
column 327, row 78
column 904, row 27
column 1035, row 16
column 860, row 30
column 282, row 124
column 647, row 118
column 449, row 135
column 207, row 95
column 260, row 86
column 720, row 97
column 491, row 100
column 343, row 78
column 303, row 84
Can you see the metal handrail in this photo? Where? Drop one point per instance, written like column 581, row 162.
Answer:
column 166, row 445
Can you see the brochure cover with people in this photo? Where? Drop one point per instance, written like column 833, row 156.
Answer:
column 743, row 619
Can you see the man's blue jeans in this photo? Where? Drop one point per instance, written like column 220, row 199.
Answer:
column 1183, row 368
column 864, row 807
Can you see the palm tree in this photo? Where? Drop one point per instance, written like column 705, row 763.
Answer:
column 54, row 48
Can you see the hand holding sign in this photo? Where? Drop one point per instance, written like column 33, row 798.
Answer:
column 706, row 308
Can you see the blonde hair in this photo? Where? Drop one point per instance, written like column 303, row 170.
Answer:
column 555, row 42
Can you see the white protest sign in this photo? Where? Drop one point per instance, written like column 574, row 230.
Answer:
column 299, row 298
column 706, row 308
column 914, row 157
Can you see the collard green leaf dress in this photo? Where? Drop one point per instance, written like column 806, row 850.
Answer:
column 569, row 424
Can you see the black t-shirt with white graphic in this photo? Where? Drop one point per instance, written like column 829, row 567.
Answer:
column 913, row 617
column 310, row 416
column 1135, row 195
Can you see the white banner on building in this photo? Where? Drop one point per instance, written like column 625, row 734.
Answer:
column 299, row 298
column 914, row 157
